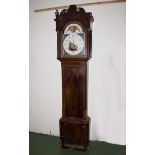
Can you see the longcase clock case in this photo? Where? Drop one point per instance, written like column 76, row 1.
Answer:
column 74, row 123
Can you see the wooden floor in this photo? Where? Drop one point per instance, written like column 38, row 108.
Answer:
column 49, row 145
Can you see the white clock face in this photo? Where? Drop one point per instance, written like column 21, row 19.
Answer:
column 73, row 44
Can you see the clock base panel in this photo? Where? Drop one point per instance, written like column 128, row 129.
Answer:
column 74, row 132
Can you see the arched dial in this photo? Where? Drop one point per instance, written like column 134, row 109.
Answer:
column 73, row 43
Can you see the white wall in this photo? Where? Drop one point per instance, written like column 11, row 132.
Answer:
column 106, row 72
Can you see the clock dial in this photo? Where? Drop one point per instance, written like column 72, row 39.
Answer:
column 73, row 43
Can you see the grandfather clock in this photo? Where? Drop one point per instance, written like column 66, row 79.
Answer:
column 74, row 44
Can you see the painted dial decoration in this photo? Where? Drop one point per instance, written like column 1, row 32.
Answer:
column 73, row 43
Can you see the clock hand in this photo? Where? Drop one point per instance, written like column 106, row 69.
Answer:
column 73, row 39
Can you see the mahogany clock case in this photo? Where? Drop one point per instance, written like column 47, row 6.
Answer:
column 74, row 123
